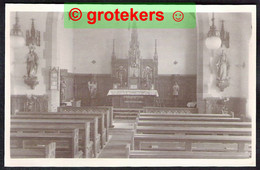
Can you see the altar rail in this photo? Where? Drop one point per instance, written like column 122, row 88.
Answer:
column 170, row 110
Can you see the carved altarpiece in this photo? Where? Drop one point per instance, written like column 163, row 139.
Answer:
column 135, row 72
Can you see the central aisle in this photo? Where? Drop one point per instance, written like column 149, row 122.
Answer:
column 120, row 136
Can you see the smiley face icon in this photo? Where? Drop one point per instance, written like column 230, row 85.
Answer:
column 178, row 16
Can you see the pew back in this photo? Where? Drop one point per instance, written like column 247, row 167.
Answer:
column 84, row 137
column 48, row 151
column 71, row 138
column 90, row 109
column 193, row 123
column 66, row 123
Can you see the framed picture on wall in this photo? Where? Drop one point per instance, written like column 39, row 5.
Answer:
column 54, row 78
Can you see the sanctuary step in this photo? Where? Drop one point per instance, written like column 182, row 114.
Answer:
column 127, row 113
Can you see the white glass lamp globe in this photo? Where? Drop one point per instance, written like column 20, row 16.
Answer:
column 17, row 41
column 213, row 42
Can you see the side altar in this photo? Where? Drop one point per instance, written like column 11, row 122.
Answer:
column 134, row 78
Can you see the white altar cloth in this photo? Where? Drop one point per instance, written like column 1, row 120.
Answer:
column 125, row 92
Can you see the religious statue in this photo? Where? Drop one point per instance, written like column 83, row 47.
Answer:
column 175, row 92
column 32, row 63
column 147, row 76
column 63, row 86
column 30, row 103
column 222, row 72
column 134, row 57
column 92, row 86
column 134, row 72
column 222, row 105
column 121, row 75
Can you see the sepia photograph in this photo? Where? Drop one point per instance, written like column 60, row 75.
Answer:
column 130, row 96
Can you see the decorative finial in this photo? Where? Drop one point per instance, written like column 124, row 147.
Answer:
column 224, row 36
column 33, row 36
column 213, row 24
column 16, row 19
column 113, row 52
column 113, row 45
column 155, row 50
column 155, row 45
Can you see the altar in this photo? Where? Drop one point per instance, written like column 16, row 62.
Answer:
column 134, row 78
column 126, row 98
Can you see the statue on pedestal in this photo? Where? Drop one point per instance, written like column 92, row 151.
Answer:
column 63, row 86
column 121, row 76
column 92, row 86
column 147, row 77
column 222, row 72
column 30, row 103
column 175, row 93
column 32, row 63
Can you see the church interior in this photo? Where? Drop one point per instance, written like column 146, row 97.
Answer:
column 130, row 93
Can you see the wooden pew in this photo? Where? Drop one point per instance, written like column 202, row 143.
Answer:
column 85, row 144
column 193, row 123
column 200, row 130
column 186, row 115
column 215, row 119
column 172, row 110
column 71, row 138
column 189, row 139
column 48, row 151
column 103, row 126
column 108, row 110
column 94, row 136
column 185, row 155
column 192, row 130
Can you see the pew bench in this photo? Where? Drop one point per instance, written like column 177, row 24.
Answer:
column 94, row 136
column 108, row 110
column 103, row 119
column 189, row 139
column 186, row 115
column 43, row 138
column 215, row 119
column 192, row 130
column 102, row 125
column 193, row 123
column 48, row 151
column 172, row 110
column 184, row 154
column 84, row 138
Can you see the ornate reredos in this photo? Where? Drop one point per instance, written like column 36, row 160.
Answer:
column 134, row 51
column 135, row 67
